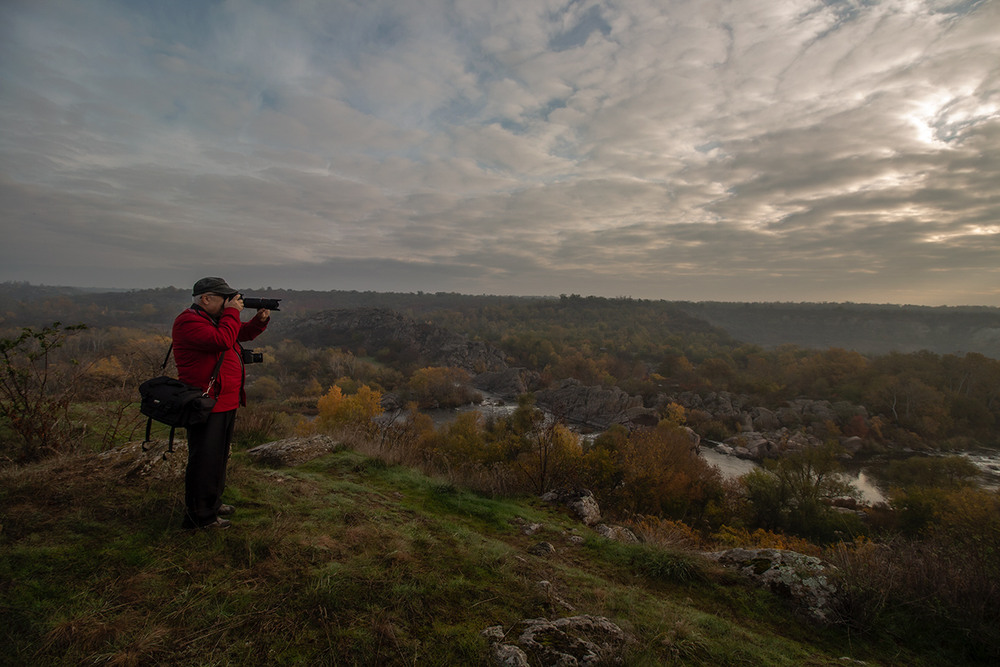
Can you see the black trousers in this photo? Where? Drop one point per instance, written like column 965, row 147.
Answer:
column 205, row 478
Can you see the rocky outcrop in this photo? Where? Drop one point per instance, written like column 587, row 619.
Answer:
column 581, row 502
column 763, row 432
column 595, row 406
column 616, row 533
column 405, row 338
column 575, row 640
column 508, row 383
column 805, row 580
column 293, row 451
column 138, row 461
column 755, row 445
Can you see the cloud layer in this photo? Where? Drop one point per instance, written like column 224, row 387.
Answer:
column 704, row 149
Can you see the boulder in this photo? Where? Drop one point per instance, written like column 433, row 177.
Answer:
column 542, row 549
column 137, row 461
column 501, row 654
column 616, row 533
column 764, row 419
column 293, row 451
column 575, row 640
column 594, row 406
column 800, row 578
column 508, row 383
column 581, row 502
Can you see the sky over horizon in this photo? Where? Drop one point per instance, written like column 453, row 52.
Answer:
column 761, row 150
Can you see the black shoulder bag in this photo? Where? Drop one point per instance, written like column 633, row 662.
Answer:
column 174, row 403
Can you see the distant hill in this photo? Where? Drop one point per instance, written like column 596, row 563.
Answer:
column 866, row 328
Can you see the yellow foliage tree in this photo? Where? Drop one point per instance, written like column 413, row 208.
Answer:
column 337, row 410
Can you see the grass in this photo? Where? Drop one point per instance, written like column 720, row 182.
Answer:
column 348, row 561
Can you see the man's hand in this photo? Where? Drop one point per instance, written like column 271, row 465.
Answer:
column 236, row 301
column 263, row 315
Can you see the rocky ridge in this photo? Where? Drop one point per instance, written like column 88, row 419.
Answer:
column 762, row 432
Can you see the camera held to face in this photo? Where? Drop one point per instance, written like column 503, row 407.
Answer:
column 251, row 357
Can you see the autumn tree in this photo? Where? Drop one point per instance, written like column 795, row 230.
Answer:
column 442, row 387
column 545, row 452
column 794, row 493
column 661, row 474
column 355, row 411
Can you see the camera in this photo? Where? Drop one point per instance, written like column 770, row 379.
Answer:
column 257, row 303
column 251, row 357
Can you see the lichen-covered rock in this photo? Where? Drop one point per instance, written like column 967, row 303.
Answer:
column 564, row 642
column 501, row 654
column 293, row 451
column 581, row 502
column 616, row 533
column 801, row 578
column 141, row 461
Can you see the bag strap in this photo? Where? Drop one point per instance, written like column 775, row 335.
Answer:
column 170, row 349
column 149, row 428
column 215, row 371
column 149, row 420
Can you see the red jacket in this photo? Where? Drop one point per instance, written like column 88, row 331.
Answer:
column 198, row 342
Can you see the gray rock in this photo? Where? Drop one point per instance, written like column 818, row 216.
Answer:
column 531, row 528
column 553, row 599
column 133, row 461
column 581, row 502
column 501, row 654
column 798, row 577
column 571, row 641
column 542, row 549
column 616, row 533
column 595, row 406
column 508, row 383
column 764, row 419
column 293, row 451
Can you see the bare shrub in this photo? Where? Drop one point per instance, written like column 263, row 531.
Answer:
column 36, row 390
column 925, row 591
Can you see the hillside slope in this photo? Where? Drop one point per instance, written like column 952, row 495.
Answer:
column 865, row 328
column 348, row 560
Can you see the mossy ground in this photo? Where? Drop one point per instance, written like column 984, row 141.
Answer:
column 349, row 561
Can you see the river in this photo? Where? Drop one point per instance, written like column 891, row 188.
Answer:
column 858, row 472
column 733, row 466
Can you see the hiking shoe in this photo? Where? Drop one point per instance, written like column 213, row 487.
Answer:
column 218, row 523
column 226, row 510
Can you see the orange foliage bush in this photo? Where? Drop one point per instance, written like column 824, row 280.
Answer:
column 338, row 411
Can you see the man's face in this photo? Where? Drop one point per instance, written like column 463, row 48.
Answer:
column 213, row 304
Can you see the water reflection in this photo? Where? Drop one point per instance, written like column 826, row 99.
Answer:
column 732, row 466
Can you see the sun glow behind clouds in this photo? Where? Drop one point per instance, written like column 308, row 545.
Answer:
column 943, row 116
column 989, row 230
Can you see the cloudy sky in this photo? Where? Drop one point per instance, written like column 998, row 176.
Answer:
column 737, row 150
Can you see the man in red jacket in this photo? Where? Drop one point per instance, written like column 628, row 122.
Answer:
column 209, row 328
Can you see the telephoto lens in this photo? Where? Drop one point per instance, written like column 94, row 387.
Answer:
column 257, row 303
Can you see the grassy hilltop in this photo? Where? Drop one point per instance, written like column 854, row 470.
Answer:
column 347, row 560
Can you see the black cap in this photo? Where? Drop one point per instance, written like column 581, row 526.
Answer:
column 214, row 286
